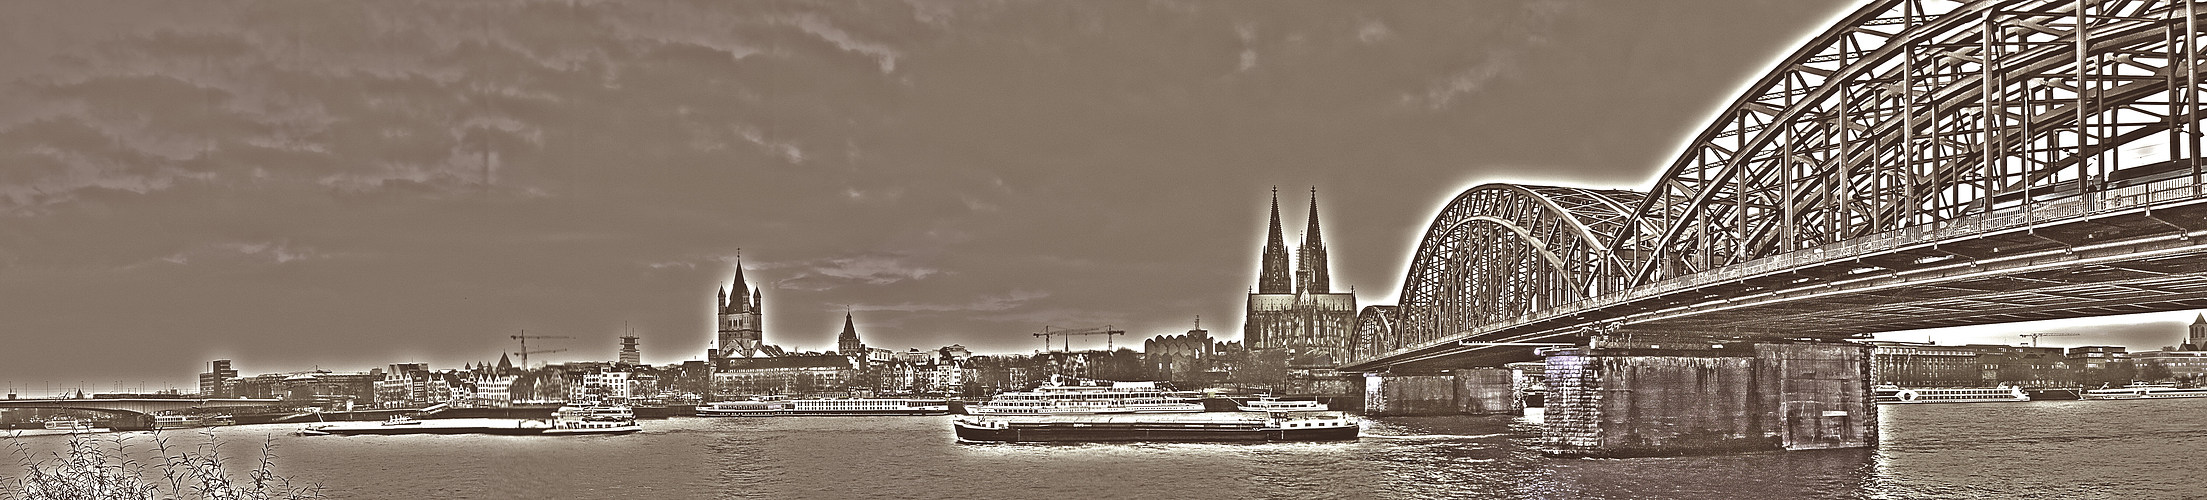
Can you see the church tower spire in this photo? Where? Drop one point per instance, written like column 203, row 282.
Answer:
column 1310, row 265
column 847, row 343
column 1274, row 276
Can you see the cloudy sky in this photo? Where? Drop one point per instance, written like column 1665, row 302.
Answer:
column 341, row 184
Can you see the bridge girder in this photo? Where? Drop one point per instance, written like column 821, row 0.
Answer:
column 1909, row 120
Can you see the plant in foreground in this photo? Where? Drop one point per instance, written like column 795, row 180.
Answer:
column 88, row 470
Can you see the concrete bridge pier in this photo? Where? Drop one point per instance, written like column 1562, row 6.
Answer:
column 1696, row 397
column 1471, row 391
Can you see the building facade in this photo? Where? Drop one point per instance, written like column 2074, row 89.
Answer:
column 1914, row 364
column 1295, row 312
column 213, row 383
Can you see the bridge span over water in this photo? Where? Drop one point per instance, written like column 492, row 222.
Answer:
column 1919, row 164
column 135, row 413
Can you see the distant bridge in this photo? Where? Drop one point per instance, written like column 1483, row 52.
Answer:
column 143, row 406
column 1920, row 164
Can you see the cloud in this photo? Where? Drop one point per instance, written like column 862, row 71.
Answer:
column 1373, row 31
column 998, row 302
column 883, row 54
column 276, row 251
column 1439, row 95
column 830, row 273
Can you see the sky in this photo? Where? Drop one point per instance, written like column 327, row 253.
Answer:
column 302, row 185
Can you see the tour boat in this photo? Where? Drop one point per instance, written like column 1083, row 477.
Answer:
column 72, row 425
column 825, row 407
column 568, row 420
column 1896, row 395
column 1269, row 403
column 2145, row 391
column 1089, row 397
column 178, row 421
column 1225, row 426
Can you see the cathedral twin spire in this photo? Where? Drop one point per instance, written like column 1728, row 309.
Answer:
column 1310, row 274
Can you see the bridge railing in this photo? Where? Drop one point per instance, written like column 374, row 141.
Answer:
column 2004, row 219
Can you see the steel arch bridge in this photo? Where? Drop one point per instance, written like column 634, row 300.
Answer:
column 1920, row 164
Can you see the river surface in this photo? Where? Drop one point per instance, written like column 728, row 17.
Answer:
column 2047, row 449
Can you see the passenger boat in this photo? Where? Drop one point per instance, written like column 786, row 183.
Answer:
column 2145, row 391
column 1227, row 426
column 1089, row 397
column 825, row 407
column 568, row 420
column 1896, row 395
column 1269, row 403
column 66, row 424
column 178, row 421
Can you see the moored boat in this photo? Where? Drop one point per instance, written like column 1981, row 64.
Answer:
column 1270, row 403
column 1895, row 395
column 568, row 420
column 1089, row 397
column 853, row 407
column 2145, row 391
column 1267, row 426
column 178, row 421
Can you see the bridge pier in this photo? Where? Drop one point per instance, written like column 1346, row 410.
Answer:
column 1708, row 397
column 1472, row 391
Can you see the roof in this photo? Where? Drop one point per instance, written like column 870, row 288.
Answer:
column 817, row 361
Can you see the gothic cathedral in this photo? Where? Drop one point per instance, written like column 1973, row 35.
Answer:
column 1299, row 315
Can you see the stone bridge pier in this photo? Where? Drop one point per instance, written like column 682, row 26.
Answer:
column 1682, row 396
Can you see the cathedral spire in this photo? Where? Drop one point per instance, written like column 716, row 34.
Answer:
column 1274, row 276
column 1310, row 265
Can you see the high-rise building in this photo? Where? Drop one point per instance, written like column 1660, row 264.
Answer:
column 211, row 384
column 1303, row 318
column 629, row 355
column 739, row 323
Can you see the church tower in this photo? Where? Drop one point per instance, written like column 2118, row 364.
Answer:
column 1274, row 276
column 739, row 322
column 2197, row 341
column 1310, row 259
column 847, row 343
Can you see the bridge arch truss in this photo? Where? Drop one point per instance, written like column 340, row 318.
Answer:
column 1907, row 121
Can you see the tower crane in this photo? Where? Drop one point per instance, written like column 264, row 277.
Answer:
column 525, row 352
column 2034, row 336
column 1107, row 331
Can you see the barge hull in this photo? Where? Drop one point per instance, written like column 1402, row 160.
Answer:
column 1048, row 434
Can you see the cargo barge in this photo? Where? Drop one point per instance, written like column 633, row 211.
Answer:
column 1209, row 427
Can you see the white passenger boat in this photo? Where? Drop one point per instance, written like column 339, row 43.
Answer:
column 178, row 421
column 1269, row 403
column 1089, row 397
column 1896, row 395
column 2145, row 391
column 853, row 407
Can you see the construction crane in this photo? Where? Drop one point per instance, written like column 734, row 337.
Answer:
column 525, row 352
column 2034, row 336
column 1107, row 331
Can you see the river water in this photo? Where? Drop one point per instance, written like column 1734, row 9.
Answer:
column 2047, row 449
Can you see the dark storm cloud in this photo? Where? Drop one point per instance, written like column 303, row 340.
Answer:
column 297, row 184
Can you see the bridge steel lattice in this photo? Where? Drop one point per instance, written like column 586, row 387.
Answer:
column 1920, row 164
